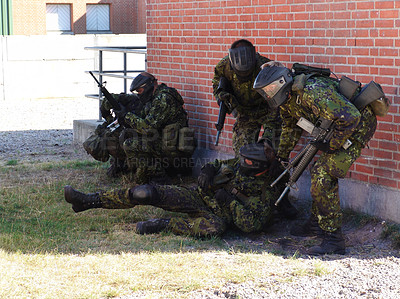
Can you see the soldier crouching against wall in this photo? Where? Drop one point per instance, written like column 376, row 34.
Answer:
column 157, row 138
column 230, row 193
column 319, row 98
column 105, row 141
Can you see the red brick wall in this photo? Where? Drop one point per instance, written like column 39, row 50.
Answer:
column 360, row 39
column 126, row 16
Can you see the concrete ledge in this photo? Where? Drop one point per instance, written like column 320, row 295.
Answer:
column 83, row 128
column 373, row 200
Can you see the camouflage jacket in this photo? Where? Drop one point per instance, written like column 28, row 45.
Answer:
column 130, row 101
column 165, row 108
column 250, row 210
column 249, row 101
column 320, row 98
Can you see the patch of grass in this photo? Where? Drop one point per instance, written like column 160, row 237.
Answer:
column 392, row 231
column 358, row 219
column 12, row 162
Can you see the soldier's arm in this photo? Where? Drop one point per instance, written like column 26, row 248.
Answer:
column 156, row 118
column 218, row 73
column 345, row 115
column 272, row 126
column 251, row 215
column 290, row 135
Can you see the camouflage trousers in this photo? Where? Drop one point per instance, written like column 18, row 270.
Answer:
column 144, row 157
column 325, row 186
column 246, row 130
column 200, row 220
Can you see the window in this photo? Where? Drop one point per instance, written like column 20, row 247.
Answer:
column 97, row 17
column 58, row 18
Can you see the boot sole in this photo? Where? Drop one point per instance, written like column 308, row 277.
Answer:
column 67, row 194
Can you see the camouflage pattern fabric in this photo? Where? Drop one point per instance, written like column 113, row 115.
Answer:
column 144, row 148
column 249, row 212
column 322, row 99
column 252, row 111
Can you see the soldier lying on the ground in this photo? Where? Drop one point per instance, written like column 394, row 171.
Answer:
column 230, row 193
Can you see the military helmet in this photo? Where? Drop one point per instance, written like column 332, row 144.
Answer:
column 253, row 160
column 145, row 81
column 242, row 56
column 274, row 83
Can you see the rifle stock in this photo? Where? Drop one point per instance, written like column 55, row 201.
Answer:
column 221, row 120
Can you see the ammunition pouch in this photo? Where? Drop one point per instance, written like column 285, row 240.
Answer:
column 170, row 136
column 223, row 176
column 373, row 95
column 176, row 138
column 186, row 140
column 348, row 87
column 96, row 145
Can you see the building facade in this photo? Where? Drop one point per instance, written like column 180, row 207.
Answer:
column 76, row 17
column 359, row 39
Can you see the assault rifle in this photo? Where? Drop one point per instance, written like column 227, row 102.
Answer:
column 114, row 104
column 224, row 85
column 321, row 131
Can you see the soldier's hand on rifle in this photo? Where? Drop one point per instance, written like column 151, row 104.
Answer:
column 223, row 198
column 323, row 146
column 120, row 113
column 229, row 100
column 206, row 176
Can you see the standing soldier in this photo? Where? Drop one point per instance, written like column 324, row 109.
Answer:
column 233, row 82
column 318, row 98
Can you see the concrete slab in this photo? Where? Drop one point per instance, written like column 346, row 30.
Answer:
column 83, row 128
column 370, row 199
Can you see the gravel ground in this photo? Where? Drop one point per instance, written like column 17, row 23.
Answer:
column 370, row 269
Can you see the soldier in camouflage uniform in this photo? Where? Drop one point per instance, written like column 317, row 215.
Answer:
column 319, row 97
column 252, row 113
column 109, row 138
column 148, row 149
column 230, row 193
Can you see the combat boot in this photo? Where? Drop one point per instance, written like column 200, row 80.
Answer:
column 152, row 226
column 81, row 201
column 308, row 229
column 286, row 209
column 332, row 243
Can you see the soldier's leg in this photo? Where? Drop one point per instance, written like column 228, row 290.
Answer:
column 245, row 131
column 200, row 221
column 112, row 199
column 325, row 188
column 325, row 192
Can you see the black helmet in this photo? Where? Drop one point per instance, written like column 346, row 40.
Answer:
column 242, row 56
column 274, row 83
column 253, row 160
column 145, row 81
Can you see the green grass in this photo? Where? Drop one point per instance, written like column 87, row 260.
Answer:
column 48, row 251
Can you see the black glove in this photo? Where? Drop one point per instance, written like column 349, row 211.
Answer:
column 323, row 146
column 206, row 176
column 227, row 98
column 223, row 197
column 120, row 113
column 276, row 167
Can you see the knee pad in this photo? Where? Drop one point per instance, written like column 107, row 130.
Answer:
column 143, row 194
